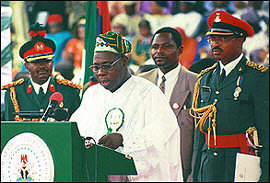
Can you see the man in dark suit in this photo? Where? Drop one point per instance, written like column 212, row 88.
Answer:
column 229, row 97
column 32, row 94
column 177, row 87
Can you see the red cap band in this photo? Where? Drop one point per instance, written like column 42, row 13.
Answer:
column 39, row 48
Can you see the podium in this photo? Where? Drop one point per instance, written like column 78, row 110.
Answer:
column 72, row 162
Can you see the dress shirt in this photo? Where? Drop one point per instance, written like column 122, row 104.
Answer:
column 37, row 86
column 230, row 66
column 171, row 79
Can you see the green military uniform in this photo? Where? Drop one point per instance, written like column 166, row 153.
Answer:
column 236, row 110
column 21, row 96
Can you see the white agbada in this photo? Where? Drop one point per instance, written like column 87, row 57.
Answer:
column 150, row 130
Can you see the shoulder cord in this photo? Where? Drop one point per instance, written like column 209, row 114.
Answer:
column 15, row 103
column 68, row 83
column 256, row 66
column 203, row 113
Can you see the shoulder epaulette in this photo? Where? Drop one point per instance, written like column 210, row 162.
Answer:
column 68, row 83
column 206, row 70
column 256, row 66
column 18, row 82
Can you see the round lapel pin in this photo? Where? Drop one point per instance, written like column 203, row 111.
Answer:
column 176, row 106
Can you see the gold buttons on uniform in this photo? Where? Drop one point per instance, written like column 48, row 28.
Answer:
column 217, row 92
column 215, row 153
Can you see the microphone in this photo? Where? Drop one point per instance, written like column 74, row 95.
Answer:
column 55, row 100
column 59, row 114
column 56, row 96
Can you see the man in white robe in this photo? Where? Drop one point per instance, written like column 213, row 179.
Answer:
column 130, row 114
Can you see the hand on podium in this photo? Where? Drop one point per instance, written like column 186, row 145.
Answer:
column 112, row 140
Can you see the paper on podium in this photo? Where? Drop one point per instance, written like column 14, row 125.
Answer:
column 247, row 168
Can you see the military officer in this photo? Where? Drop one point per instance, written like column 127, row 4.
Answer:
column 229, row 97
column 32, row 94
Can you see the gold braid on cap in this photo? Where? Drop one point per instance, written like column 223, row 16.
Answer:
column 15, row 103
column 206, row 112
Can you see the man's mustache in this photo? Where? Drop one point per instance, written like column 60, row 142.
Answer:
column 160, row 56
column 217, row 48
column 43, row 69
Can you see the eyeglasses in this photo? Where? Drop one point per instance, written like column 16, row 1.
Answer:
column 219, row 39
column 107, row 67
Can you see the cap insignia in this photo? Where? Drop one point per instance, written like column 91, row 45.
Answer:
column 217, row 19
column 39, row 46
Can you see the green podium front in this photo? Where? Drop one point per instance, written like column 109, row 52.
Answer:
column 72, row 162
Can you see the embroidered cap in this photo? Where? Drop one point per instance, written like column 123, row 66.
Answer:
column 38, row 48
column 112, row 42
column 223, row 23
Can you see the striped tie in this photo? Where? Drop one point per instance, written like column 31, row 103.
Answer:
column 162, row 84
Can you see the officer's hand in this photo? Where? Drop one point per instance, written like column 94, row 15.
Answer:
column 112, row 140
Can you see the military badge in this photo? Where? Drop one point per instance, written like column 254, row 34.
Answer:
column 29, row 89
column 217, row 19
column 114, row 120
column 52, row 88
column 39, row 46
column 237, row 90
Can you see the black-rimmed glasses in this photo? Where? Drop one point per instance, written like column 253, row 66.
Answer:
column 107, row 67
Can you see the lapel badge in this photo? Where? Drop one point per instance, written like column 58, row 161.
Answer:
column 52, row 88
column 237, row 92
column 176, row 106
column 29, row 89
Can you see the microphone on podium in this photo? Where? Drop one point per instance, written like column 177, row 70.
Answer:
column 56, row 96
column 55, row 100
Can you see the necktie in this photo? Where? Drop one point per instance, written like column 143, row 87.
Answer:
column 223, row 75
column 41, row 94
column 162, row 84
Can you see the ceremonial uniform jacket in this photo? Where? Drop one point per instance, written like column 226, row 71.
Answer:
column 235, row 113
column 180, row 103
column 21, row 96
